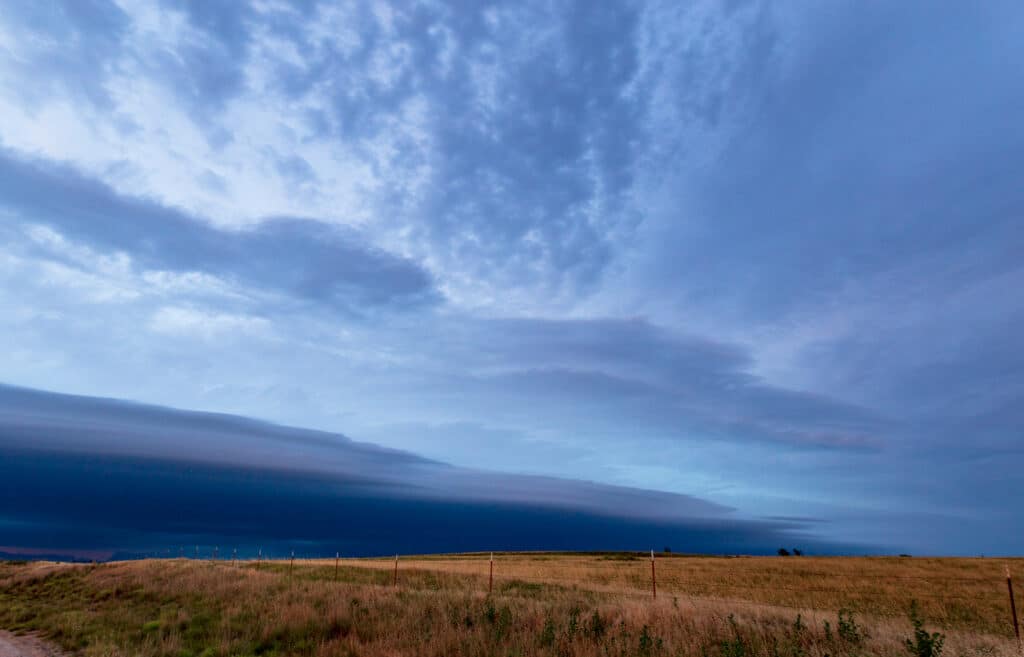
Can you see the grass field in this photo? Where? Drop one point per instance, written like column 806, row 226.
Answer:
column 542, row 604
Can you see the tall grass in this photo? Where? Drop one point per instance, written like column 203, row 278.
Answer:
column 542, row 605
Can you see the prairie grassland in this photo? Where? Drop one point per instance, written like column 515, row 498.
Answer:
column 542, row 604
column 961, row 593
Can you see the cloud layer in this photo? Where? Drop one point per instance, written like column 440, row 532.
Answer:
column 201, row 477
column 763, row 255
column 304, row 259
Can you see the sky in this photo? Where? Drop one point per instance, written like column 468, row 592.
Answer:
column 730, row 274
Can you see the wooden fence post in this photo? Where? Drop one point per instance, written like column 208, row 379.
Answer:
column 215, row 548
column 1013, row 607
column 654, row 581
column 490, row 579
column 291, row 564
column 259, row 557
column 396, row 571
column 336, row 555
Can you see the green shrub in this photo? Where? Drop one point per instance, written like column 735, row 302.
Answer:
column 735, row 647
column 501, row 619
column 547, row 635
column 797, row 638
column 848, row 628
column 574, row 621
column 924, row 644
column 597, row 626
column 646, row 642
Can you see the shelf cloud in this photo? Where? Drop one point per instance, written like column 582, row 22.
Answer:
column 83, row 474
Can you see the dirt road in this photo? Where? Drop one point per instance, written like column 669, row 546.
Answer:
column 25, row 646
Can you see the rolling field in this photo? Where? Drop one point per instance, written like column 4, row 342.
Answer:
column 541, row 604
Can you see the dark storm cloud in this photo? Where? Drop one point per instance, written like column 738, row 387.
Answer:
column 305, row 259
column 84, row 425
column 69, row 461
column 85, row 508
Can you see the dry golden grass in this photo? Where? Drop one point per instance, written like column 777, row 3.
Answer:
column 541, row 605
column 965, row 593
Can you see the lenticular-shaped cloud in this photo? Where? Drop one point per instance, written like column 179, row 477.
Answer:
column 305, row 259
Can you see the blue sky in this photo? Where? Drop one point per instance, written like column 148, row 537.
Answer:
column 761, row 257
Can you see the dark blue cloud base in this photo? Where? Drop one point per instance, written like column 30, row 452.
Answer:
column 86, row 476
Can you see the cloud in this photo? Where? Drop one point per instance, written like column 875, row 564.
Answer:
column 247, row 482
column 851, row 215
column 188, row 321
column 851, row 157
column 205, row 67
column 65, row 47
column 533, row 150
column 586, row 372
column 495, row 152
column 767, row 256
column 303, row 259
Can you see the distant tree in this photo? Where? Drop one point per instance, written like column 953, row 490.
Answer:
column 783, row 552
column 667, row 550
column 797, row 553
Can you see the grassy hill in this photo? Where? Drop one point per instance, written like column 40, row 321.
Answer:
column 541, row 604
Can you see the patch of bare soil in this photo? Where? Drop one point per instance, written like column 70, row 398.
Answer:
column 26, row 645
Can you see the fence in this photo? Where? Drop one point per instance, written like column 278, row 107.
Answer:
column 797, row 582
